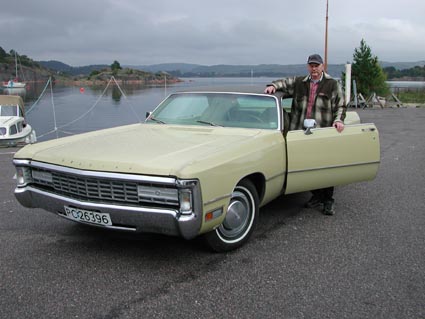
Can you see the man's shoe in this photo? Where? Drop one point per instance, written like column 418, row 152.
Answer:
column 329, row 208
column 313, row 202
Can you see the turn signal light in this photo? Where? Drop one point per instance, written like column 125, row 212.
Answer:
column 214, row 214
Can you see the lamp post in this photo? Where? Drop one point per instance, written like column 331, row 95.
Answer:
column 326, row 37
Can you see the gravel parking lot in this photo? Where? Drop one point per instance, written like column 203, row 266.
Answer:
column 367, row 261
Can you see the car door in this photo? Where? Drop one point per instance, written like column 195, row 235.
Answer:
column 327, row 158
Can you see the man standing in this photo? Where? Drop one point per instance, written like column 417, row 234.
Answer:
column 316, row 96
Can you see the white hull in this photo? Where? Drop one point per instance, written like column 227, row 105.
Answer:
column 27, row 136
column 13, row 85
column 13, row 128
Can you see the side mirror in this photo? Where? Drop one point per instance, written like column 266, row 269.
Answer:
column 148, row 114
column 308, row 125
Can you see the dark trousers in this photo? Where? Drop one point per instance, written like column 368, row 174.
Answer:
column 324, row 194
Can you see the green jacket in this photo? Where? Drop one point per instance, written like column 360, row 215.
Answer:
column 328, row 107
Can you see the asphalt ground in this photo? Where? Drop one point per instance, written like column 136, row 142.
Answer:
column 367, row 261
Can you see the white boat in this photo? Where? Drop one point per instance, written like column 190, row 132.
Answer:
column 14, row 83
column 14, row 130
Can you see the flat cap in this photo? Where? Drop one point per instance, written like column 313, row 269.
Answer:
column 315, row 58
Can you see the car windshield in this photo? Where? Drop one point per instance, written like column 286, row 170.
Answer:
column 218, row 109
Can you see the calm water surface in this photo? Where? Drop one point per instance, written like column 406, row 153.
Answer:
column 72, row 110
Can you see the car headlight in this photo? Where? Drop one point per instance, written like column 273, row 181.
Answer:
column 181, row 196
column 23, row 175
column 157, row 194
column 186, row 206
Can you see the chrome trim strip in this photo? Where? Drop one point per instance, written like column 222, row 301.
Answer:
column 275, row 176
column 229, row 195
column 21, row 162
column 217, row 199
column 73, row 201
column 325, row 128
column 85, row 173
column 331, row 167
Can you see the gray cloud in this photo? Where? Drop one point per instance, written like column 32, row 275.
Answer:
column 220, row 32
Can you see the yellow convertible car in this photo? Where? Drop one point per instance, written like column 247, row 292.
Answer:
column 202, row 163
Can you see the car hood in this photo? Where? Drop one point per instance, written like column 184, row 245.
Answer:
column 153, row 149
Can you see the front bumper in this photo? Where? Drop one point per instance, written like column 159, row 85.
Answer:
column 129, row 218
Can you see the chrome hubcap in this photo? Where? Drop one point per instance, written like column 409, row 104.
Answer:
column 237, row 215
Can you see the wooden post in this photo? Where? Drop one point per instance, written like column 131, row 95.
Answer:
column 399, row 103
column 326, row 37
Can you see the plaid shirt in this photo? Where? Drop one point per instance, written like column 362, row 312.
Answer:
column 311, row 98
column 328, row 106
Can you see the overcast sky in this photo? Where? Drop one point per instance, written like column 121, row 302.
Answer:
column 139, row 32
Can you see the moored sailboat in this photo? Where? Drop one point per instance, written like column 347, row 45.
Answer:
column 14, row 83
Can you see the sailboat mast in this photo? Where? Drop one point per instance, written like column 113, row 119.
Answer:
column 16, row 66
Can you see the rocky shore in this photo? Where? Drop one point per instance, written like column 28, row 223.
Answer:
column 38, row 74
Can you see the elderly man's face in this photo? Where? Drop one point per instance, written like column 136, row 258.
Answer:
column 315, row 70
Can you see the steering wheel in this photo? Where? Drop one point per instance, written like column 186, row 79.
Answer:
column 255, row 118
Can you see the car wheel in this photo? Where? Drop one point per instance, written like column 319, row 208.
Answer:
column 240, row 220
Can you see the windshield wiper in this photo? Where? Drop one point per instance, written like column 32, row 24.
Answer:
column 209, row 123
column 156, row 120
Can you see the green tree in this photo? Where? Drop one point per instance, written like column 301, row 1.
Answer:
column 94, row 73
column 417, row 73
column 115, row 67
column 369, row 76
column 392, row 72
column 3, row 55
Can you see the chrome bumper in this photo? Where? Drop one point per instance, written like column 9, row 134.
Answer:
column 129, row 218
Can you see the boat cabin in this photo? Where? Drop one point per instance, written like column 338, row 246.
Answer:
column 13, row 127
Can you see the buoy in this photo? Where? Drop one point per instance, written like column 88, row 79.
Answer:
column 82, row 90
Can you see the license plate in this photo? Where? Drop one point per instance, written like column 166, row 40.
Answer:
column 87, row 216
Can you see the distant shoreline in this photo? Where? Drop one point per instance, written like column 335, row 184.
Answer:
column 119, row 81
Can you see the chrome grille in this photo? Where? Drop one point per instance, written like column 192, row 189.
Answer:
column 100, row 189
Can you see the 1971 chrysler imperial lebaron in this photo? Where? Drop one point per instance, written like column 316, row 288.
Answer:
column 201, row 163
